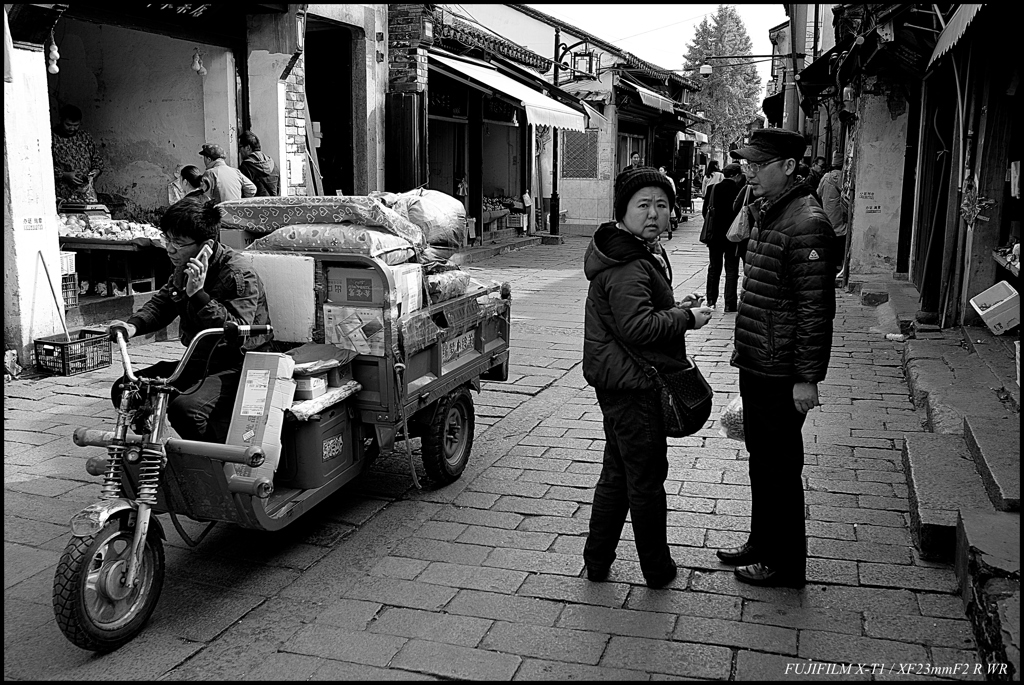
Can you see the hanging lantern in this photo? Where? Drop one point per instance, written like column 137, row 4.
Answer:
column 53, row 56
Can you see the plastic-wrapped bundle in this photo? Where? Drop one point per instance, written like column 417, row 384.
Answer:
column 731, row 420
column 339, row 238
column 266, row 214
column 441, row 217
column 446, row 285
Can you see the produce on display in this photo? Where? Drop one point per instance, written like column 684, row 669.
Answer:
column 82, row 226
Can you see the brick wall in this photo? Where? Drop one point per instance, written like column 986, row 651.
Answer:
column 295, row 129
column 407, row 47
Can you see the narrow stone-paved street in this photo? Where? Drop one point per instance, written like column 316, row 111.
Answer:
column 484, row 579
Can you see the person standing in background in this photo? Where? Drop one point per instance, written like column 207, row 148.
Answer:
column 75, row 159
column 634, row 162
column 257, row 166
column 711, row 176
column 224, row 182
column 720, row 248
column 831, row 192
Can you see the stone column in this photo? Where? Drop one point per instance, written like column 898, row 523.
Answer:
column 30, row 213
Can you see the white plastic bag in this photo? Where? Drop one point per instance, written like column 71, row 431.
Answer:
column 731, row 421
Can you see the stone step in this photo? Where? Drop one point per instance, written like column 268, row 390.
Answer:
column 942, row 480
column 987, row 567
column 995, row 446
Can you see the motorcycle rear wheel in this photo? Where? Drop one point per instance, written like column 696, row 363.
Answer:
column 93, row 608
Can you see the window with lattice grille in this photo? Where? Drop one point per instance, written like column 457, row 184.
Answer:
column 579, row 154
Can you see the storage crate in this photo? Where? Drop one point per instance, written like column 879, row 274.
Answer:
column 88, row 350
column 67, row 263
column 998, row 307
column 317, row 450
column 517, row 221
column 69, row 289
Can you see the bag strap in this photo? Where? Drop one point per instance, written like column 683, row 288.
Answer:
column 646, row 366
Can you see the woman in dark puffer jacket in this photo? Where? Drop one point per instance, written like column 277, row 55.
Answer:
column 631, row 300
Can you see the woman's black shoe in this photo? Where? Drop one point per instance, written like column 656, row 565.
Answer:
column 738, row 556
column 597, row 574
column 663, row 578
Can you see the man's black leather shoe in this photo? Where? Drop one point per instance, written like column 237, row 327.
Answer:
column 759, row 574
column 738, row 556
column 663, row 578
column 597, row 574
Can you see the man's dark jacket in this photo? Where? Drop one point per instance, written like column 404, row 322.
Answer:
column 259, row 168
column 232, row 292
column 722, row 195
column 784, row 322
column 630, row 297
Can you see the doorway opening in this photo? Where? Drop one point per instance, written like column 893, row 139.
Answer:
column 330, row 103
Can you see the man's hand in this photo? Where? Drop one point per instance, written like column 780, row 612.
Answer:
column 129, row 329
column 74, row 178
column 690, row 301
column 805, row 397
column 701, row 315
column 195, row 272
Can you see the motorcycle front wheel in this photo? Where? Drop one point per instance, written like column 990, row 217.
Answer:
column 93, row 608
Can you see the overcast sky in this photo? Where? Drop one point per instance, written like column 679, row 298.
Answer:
column 660, row 33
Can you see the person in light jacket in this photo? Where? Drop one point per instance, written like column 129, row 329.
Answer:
column 222, row 181
column 631, row 302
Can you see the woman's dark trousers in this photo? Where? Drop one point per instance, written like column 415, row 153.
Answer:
column 772, row 428
column 719, row 252
column 632, row 480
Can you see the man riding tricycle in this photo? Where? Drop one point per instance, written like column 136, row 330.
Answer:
column 247, row 451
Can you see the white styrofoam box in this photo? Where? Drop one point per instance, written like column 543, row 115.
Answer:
column 289, row 282
column 998, row 307
column 67, row 263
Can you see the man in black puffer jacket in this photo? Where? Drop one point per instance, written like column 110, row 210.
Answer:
column 783, row 343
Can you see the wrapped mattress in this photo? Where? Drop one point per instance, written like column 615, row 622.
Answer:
column 337, row 238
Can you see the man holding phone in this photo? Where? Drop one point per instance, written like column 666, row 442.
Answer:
column 210, row 285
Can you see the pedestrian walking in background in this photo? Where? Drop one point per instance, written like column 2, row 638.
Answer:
column 782, row 348
column 711, row 176
column 257, row 166
column 674, row 215
column 224, row 182
column 831, row 192
column 720, row 249
column 631, row 302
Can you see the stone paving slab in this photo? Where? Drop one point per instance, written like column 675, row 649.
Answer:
column 484, row 579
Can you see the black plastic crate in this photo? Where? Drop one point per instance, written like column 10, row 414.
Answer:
column 89, row 349
column 69, row 289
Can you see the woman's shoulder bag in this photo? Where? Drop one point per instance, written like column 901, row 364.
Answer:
column 685, row 396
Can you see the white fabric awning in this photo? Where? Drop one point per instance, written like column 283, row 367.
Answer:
column 954, row 30
column 540, row 109
column 652, row 99
column 697, row 135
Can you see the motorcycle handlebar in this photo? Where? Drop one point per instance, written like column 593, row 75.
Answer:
column 230, row 330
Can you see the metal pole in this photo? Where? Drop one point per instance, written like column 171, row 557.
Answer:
column 553, row 220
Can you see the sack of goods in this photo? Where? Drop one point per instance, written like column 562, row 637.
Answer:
column 266, row 214
column 338, row 238
column 447, row 284
column 441, row 217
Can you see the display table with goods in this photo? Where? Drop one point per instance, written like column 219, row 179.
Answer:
column 120, row 257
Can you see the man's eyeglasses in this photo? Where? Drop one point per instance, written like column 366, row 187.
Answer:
column 175, row 245
column 753, row 167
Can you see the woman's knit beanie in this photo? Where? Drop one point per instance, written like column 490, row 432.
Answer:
column 632, row 180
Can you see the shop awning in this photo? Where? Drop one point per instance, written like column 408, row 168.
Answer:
column 540, row 109
column 954, row 30
column 816, row 77
column 697, row 135
column 650, row 98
